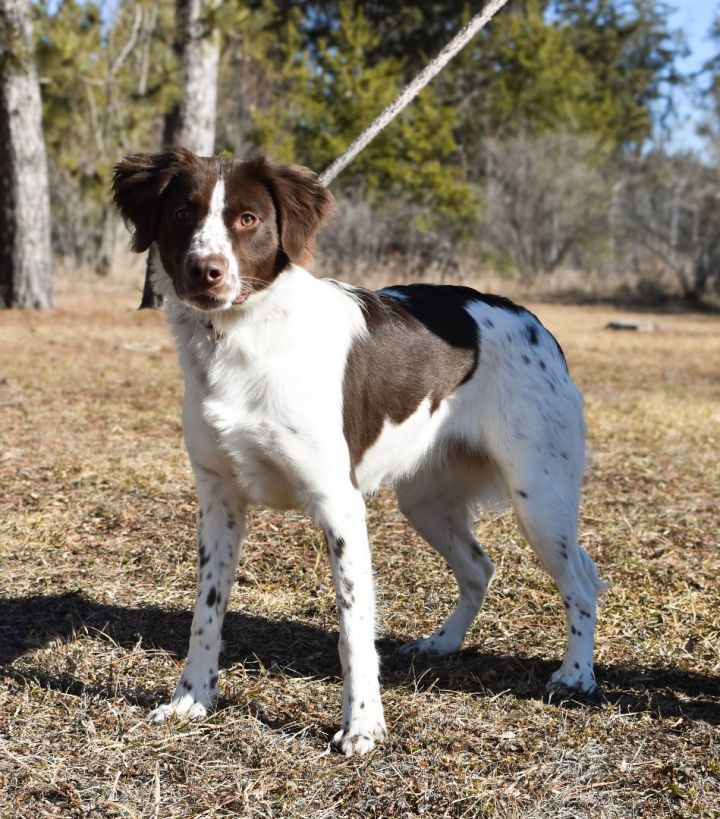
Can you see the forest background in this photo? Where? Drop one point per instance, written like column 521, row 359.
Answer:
column 545, row 147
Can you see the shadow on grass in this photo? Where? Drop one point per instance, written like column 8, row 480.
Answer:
column 28, row 623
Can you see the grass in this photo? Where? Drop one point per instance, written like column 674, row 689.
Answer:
column 96, row 562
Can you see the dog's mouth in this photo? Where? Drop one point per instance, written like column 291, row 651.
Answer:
column 207, row 301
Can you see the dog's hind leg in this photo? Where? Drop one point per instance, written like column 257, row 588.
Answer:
column 442, row 516
column 546, row 506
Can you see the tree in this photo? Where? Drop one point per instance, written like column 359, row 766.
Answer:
column 672, row 223
column 632, row 54
column 522, row 78
column 546, row 198
column 192, row 121
column 107, row 80
column 598, row 68
column 25, row 252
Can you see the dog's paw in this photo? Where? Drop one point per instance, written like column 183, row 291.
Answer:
column 183, row 706
column 572, row 678
column 360, row 737
column 439, row 643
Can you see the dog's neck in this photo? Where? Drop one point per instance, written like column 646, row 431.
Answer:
column 275, row 318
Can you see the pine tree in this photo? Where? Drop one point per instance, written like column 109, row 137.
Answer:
column 330, row 93
column 631, row 53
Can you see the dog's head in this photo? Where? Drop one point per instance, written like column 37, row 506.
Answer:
column 224, row 228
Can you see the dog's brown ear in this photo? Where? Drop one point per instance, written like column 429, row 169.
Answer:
column 139, row 182
column 303, row 203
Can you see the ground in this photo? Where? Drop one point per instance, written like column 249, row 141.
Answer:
column 97, row 562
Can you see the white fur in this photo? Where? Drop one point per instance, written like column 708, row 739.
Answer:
column 414, row 438
column 263, row 422
column 212, row 237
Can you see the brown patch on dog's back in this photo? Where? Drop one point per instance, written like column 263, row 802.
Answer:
column 400, row 362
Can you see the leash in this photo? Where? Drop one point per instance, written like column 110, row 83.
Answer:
column 408, row 94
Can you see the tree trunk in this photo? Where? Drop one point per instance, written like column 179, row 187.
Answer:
column 25, row 252
column 200, row 49
column 107, row 241
column 192, row 122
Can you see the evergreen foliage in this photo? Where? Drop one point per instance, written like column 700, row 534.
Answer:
column 331, row 93
column 300, row 79
column 105, row 87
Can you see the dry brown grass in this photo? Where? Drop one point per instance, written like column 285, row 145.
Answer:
column 97, row 573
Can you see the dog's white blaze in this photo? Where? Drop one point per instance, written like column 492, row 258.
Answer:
column 212, row 236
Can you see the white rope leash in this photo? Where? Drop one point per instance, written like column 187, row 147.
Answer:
column 408, row 94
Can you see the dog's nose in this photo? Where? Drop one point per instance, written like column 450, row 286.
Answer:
column 207, row 271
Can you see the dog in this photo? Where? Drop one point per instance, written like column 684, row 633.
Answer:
column 302, row 392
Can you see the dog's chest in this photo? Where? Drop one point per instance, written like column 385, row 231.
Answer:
column 254, row 421
column 274, row 410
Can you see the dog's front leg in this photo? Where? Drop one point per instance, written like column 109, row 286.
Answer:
column 343, row 520
column 221, row 528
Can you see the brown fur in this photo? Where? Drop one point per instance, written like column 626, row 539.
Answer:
column 139, row 182
column 390, row 371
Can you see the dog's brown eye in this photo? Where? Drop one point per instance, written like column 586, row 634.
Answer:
column 247, row 220
column 182, row 215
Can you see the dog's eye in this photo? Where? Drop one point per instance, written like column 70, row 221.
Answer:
column 247, row 220
column 182, row 215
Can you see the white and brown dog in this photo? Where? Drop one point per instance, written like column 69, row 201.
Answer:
column 307, row 393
